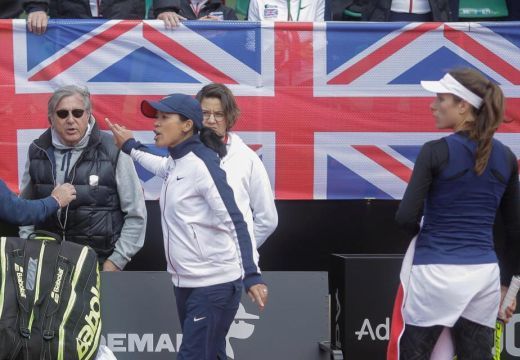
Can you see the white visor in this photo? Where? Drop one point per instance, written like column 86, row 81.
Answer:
column 449, row 85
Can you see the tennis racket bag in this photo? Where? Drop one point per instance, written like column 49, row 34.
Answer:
column 49, row 299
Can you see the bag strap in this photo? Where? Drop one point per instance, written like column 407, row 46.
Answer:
column 4, row 263
column 18, row 273
column 54, row 298
column 3, row 272
column 16, row 349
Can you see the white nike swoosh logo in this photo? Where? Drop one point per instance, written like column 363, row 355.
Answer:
column 198, row 319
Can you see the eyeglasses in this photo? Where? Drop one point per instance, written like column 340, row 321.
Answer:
column 63, row 114
column 217, row 115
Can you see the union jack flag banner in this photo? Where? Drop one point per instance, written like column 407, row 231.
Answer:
column 335, row 110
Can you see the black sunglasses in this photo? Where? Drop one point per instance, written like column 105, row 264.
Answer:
column 63, row 114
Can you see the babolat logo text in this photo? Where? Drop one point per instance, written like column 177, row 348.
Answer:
column 19, row 279
column 55, row 294
column 87, row 335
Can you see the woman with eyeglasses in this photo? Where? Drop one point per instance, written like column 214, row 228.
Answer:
column 457, row 185
column 246, row 173
column 208, row 247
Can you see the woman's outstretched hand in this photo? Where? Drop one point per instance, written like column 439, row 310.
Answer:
column 121, row 133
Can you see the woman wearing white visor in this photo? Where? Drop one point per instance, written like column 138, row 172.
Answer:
column 458, row 184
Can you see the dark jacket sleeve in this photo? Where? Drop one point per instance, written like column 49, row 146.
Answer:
column 334, row 8
column 453, row 10
column 30, row 6
column 229, row 14
column 160, row 6
column 410, row 209
column 513, row 6
column 510, row 211
column 20, row 211
column 431, row 160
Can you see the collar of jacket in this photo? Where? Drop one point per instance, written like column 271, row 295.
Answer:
column 208, row 7
column 185, row 147
column 45, row 140
column 210, row 2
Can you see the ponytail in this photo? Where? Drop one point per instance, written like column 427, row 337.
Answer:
column 487, row 118
column 212, row 140
column 209, row 138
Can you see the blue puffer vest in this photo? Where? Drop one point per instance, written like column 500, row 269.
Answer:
column 95, row 217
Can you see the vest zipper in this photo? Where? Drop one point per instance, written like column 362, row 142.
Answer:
column 64, row 225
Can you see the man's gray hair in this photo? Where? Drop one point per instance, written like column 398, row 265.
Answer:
column 66, row 91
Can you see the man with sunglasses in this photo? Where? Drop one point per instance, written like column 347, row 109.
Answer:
column 109, row 213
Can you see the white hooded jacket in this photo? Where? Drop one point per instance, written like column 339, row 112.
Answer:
column 206, row 239
column 248, row 178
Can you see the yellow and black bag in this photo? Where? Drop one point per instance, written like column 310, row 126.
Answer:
column 49, row 299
